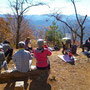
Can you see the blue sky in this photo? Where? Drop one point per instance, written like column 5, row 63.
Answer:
column 63, row 6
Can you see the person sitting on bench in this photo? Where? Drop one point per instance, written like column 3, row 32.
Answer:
column 22, row 58
column 27, row 42
column 3, row 63
column 41, row 54
column 8, row 51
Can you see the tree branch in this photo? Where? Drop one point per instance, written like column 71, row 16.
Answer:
column 84, row 19
column 66, row 24
column 75, row 12
column 31, row 6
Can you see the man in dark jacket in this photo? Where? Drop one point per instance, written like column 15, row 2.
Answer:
column 8, row 51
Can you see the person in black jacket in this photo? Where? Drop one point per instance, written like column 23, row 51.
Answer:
column 8, row 51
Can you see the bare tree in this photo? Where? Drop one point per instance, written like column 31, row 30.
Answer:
column 79, row 21
column 26, row 29
column 73, row 30
column 19, row 8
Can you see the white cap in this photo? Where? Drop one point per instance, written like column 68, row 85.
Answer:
column 21, row 43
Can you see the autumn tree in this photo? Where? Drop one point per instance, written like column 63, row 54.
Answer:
column 5, row 30
column 19, row 8
column 26, row 29
column 40, row 31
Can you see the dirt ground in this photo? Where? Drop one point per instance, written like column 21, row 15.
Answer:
column 63, row 76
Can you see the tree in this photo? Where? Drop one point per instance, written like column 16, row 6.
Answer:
column 53, row 35
column 26, row 29
column 79, row 21
column 5, row 30
column 19, row 8
column 75, row 28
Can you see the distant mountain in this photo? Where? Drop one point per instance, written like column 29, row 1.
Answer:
column 44, row 20
column 40, row 21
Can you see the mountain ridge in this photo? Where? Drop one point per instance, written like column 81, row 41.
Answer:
column 41, row 21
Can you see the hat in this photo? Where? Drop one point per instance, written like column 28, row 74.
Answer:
column 6, row 42
column 21, row 43
column 1, row 47
column 28, row 38
column 40, row 43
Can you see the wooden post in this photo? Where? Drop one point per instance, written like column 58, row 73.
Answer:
column 19, row 85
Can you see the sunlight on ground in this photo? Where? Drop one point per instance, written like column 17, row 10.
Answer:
column 64, row 76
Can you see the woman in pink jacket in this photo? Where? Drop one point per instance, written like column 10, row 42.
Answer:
column 41, row 54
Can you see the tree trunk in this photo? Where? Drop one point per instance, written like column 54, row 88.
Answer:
column 17, row 33
column 81, row 39
column 17, row 38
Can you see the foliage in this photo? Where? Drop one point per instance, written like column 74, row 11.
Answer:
column 19, row 8
column 26, row 29
column 5, row 30
column 53, row 35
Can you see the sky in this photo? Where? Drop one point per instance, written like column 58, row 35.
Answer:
column 62, row 6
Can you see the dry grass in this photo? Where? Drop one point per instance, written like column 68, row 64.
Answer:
column 65, row 76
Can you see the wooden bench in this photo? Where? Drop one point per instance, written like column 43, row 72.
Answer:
column 18, row 76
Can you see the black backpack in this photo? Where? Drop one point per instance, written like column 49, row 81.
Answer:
column 73, row 49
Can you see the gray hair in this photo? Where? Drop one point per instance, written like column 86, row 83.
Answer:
column 40, row 43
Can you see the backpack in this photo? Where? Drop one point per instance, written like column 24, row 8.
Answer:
column 88, row 54
column 73, row 49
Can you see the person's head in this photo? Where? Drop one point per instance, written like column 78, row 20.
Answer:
column 1, row 48
column 28, row 39
column 89, row 38
column 6, row 42
column 40, row 43
column 21, row 44
column 68, row 41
